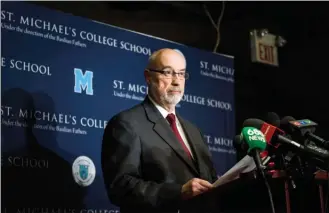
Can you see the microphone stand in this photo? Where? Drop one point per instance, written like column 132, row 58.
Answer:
column 286, row 184
column 327, row 197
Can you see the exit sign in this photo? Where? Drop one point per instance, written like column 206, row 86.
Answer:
column 263, row 48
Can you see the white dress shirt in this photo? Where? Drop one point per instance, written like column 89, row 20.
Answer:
column 164, row 113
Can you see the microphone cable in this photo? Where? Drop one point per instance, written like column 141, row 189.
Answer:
column 261, row 171
column 269, row 194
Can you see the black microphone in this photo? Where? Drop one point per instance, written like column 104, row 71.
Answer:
column 286, row 159
column 273, row 119
column 303, row 129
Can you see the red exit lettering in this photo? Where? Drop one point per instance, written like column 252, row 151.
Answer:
column 266, row 53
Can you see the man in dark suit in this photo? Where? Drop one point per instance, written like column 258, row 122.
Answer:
column 152, row 159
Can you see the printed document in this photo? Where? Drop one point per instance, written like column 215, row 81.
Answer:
column 246, row 164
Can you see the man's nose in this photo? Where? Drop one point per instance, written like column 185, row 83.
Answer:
column 175, row 82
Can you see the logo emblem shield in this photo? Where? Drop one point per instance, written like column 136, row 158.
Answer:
column 83, row 171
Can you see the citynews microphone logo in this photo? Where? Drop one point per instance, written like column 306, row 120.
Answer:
column 303, row 123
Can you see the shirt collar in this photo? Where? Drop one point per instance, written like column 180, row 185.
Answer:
column 162, row 110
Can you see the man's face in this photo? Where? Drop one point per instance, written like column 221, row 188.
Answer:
column 168, row 89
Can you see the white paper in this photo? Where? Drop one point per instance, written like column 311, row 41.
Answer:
column 245, row 165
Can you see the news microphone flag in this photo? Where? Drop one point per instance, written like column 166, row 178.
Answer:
column 254, row 138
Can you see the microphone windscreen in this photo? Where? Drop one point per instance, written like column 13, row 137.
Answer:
column 285, row 120
column 273, row 119
column 237, row 141
column 253, row 122
column 285, row 125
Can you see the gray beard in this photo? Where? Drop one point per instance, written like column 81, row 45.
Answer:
column 167, row 99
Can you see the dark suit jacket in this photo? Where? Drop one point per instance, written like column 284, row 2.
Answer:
column 144, row 165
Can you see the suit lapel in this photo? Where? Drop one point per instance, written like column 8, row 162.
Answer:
column 192, row 136
column 162, row 128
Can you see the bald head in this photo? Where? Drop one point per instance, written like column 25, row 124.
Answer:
column 165, row 86
column 165, row 57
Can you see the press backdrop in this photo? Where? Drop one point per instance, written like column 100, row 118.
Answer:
column 62, row 78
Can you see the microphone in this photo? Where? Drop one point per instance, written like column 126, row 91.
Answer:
column 304, row 129
column 256, row 143
column 273, row 119
column 243, row 147
column 274, row 136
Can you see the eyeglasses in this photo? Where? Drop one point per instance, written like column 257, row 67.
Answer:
column 171, row 73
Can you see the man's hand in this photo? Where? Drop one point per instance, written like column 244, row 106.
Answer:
column 195, row 187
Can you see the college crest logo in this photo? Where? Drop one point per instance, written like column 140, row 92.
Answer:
column 84, row 171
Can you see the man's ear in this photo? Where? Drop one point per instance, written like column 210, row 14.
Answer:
column 147, row 76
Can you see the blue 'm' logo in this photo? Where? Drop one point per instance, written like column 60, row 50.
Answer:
column 83, row 81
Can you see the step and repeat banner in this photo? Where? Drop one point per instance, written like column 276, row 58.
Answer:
column 62, row 78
